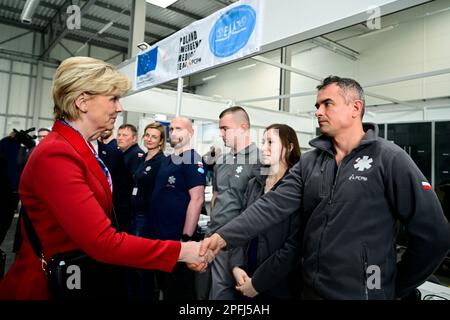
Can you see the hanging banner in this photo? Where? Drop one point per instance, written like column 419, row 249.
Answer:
column 229, row 34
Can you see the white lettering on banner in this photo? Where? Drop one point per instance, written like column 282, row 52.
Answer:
column 234, row 28
column 229, row 34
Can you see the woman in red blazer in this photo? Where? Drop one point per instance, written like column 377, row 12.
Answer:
column 67, row 192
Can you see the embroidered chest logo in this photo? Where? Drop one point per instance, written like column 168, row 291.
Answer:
column 363, row 163
column 148, row 168
column 172, row 180
column 238, row 171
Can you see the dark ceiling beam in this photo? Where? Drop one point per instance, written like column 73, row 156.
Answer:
column 104, row 21
column 93, row 34
column 25, row 57
column 46, row 5
column 224, row 3
column 23, row 25
column 119, row 26
column 127, row 13
column 103, row 43
column 154, row 38
column 184, row 12
column 56, row 28
column 98, row 43
column 18, row 24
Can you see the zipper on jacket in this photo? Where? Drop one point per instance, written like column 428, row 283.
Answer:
column 323, row 185
column 319, row 248
column 365, row 264
column 334, row 184
column 344, row 162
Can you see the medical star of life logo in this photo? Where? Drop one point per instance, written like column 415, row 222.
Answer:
column 172, row 180
column 239, row 169
column 363, row 163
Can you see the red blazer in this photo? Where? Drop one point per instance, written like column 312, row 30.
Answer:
column 69, row 201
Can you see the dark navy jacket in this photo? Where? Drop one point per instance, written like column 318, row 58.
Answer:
column 145, row 177
column 170, row 199
column 122, row 166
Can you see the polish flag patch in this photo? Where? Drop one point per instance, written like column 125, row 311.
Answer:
column 426, row 185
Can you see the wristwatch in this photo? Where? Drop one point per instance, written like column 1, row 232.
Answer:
column 185, row 238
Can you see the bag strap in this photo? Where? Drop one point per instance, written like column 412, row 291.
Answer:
column 35, row 242
column 115, row 221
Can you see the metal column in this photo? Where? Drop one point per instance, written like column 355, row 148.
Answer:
column 137, row 30
column 179, row 96
column 285, row 79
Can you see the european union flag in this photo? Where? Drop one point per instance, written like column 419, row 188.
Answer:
column 147, row 62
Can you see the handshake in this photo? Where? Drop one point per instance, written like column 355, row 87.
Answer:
column 198, row 255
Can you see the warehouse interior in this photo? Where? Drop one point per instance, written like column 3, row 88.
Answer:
column 403, row 64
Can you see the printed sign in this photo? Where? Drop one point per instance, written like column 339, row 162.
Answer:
column 229, row 34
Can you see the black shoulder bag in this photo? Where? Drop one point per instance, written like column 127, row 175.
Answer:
column 73, row 275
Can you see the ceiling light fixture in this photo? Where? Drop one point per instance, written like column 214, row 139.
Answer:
column 161, row 3
column 143, row 46
column 247, row 66
column 28, row 11
column 209, row 78
column 436, row 12
column 106, row 27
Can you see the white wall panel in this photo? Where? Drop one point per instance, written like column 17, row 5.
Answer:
column 18, row 98
column 21, row 67
column 2, row 127
column 49, row 72
column 45, row 124
column 15, row 123
column 5, row 64
column 46, row 100
column 236, row 84
column 22, row 44
column 197, row 107
column 4, row 83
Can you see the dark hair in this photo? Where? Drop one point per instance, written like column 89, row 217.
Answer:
column 43, row 129
column 158, row 126
column 129, row 126
column 287, row 137
column 236, row 109
column 345, row 84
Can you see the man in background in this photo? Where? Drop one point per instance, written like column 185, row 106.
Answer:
column 232, row 173
column 132, row 156
column 176, row 204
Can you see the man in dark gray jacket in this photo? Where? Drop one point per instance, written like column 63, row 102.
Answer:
column 231, row 175
column 351, row 190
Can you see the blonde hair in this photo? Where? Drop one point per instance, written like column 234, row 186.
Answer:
column 158, row 126
column 79, row 75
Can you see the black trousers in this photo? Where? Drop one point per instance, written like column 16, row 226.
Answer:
column 178, row 285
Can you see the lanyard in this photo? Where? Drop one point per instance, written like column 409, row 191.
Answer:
column 101, row 163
